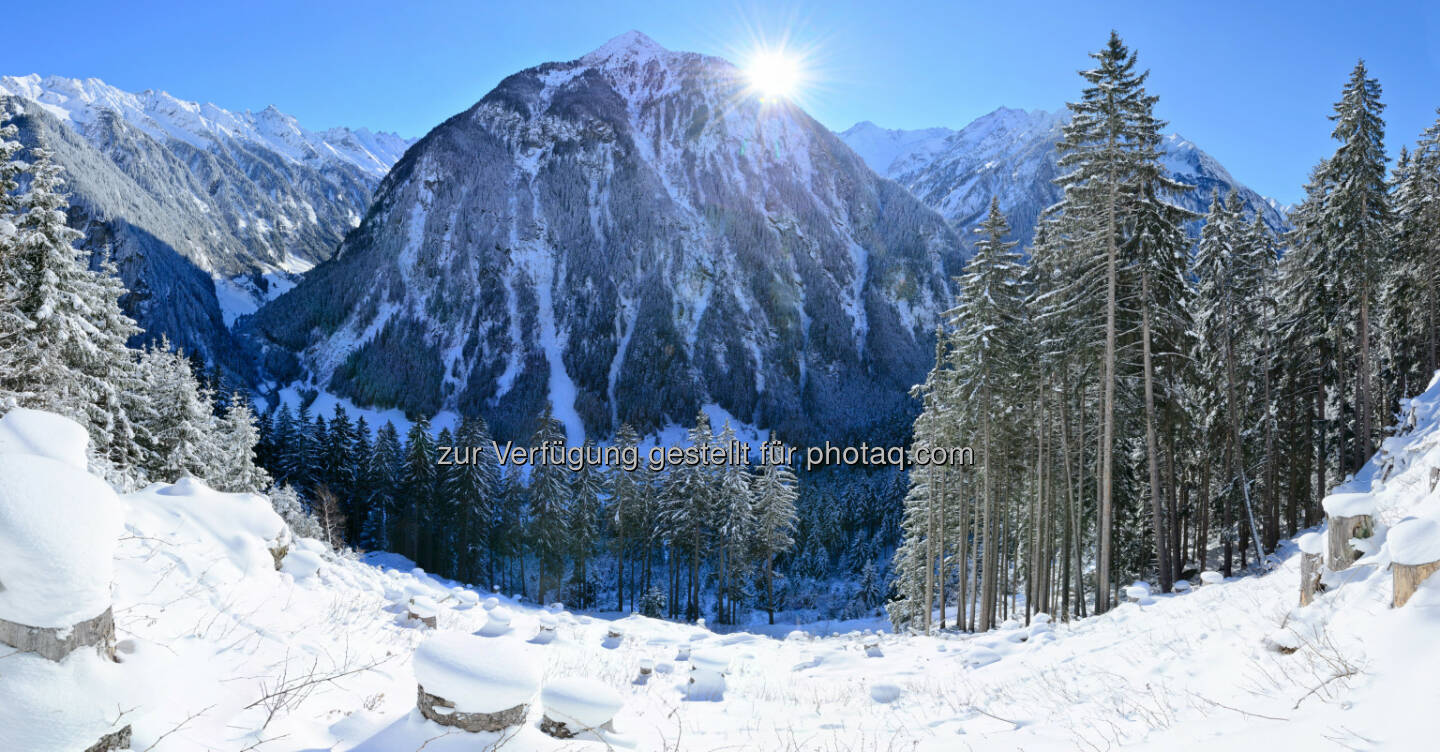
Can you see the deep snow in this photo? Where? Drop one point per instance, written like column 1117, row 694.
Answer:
column 220, row 651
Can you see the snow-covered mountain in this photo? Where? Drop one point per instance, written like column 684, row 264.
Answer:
column 1011, row 153
column 631, row 236
column 207, row 212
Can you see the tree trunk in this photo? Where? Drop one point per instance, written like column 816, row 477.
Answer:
column 1152, row 444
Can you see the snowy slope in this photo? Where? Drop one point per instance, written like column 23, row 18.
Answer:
column 221, row 652
column 1010, row 154
column 207, row 213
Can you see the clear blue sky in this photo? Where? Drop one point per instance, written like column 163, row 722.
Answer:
column 1252, row 86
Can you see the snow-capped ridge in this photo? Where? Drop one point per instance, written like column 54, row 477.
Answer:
column 203, row 125
column 632, row 45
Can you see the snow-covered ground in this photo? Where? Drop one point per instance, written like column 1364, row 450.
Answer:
column 220, row 651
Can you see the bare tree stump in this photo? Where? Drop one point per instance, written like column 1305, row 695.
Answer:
column 115, row 740
column 442, row 711
column 1407, row 578
column 1341, row 554
column 1310, row 571
column 55, row 643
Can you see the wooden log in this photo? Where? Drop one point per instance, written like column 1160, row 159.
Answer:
column 1311, row 567
column 442, row 711
column 1407, row 578
column 1341, row 554
column 55, row 643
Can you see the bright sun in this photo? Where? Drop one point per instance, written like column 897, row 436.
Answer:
column 774, row 74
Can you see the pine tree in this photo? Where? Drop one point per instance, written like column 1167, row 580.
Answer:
column 774, row 497
column 550, row 515
column 625, row 517
column 182, row 428
column 588, row 484
column 382, row 530
column 986, row 323
column 238, row 435
column 415, row 502
column 1356, row 217
column 474, row 485
column 689, row 507
column 1102, row 147
column 735, row 527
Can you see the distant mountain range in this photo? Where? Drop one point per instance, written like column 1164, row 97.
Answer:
column 1011, row 154
column 630, row 237
column 207, row 212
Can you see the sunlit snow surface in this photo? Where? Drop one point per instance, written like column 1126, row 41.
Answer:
column 207, row 633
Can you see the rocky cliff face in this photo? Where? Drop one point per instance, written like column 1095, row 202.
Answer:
column 629, row 236
column 207, row 213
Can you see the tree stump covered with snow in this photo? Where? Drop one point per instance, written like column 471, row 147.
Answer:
column 58, row 529
column 112, row 742
column 1351, row 517
column 1414, row 556
column 573, row 706
column 1312, row 557
column 423, row 609
column 707, row 676
column 466, row 683
column 57, row 642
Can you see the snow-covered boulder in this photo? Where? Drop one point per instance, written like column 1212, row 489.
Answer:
column 42, row 434
column 576, row 705
column 1211, row 578
column 1181, row 586
column 464, row 598
column 491, row 603
column 58, row 529
column 472, row 683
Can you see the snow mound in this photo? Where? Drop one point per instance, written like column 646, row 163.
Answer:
column 498, row 623
column 580, row 703
column 302, row 564
column 1311, row 543
column 885, row 692
column 1211, row 578
column 424, row 606
column 477, row 675
column 58, row 530
column 1349, row 504
column 43, row 434
column 243, row 527
column 1414, row 542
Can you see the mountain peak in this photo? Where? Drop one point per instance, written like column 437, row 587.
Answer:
column 630, row 45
